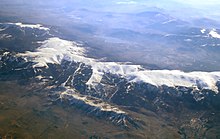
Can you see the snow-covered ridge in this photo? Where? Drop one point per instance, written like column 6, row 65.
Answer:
column 54, row 50
column 103, row 106
column 96, row 107
column 36, row 26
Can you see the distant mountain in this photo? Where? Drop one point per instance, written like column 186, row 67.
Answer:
column 206, row 22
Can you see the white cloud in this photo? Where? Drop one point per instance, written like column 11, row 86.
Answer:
column 200, row 2
column 126, row 2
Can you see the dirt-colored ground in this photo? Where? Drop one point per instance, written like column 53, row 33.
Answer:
column 29, row 115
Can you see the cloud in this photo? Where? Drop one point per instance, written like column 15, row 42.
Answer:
column 126, row 2
column 196, row 3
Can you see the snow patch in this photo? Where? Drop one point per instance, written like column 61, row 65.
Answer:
column 169, row 21
column 188, row 40
column 203, row 31
column 54, row 50
column 5, row 36
column 214, row 34
column 2, row 29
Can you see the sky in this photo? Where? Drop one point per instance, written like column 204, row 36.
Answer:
column 183, row 9
column 200, row 2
